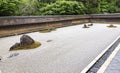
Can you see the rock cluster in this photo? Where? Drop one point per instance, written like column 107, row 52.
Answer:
column 85, row 26
column 112, row 26
column 91, row 24
column 24, row 41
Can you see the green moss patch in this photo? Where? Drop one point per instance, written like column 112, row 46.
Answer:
column 32, row 46
column 47, row 30
column 86, row 27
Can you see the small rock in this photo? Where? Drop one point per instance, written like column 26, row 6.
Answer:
column 15, row 46
column 13, row 55
column 91, row 24
column 85, row 26
column 26, row 40
column 1, row 58
column 49, row 40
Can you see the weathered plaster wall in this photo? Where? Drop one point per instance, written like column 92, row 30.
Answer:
column 22, row 24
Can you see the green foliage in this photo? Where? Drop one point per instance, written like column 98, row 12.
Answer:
column 57, row 7
column 92, row 6
column 112, row 9
column 63, row 8
column 8, row 7
column 104, row 6
column 118, row 3
column 47, row 1
column 100, row 6
column 28, row 7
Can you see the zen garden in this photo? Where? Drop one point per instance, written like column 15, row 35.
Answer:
column 59, row 36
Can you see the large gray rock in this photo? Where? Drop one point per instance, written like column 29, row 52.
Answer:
column 26, row 40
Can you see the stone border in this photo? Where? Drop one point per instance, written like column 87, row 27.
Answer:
column 110, row 58
column 86, row 69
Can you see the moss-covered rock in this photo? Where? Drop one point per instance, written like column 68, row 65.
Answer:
column 85, row 26
column 112, row 26
column 91, row 24
column 26, row 42
column 32, row 46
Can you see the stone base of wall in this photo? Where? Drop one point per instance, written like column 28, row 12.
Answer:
column 20, row 29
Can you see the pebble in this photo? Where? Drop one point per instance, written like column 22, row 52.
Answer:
column 13, row 55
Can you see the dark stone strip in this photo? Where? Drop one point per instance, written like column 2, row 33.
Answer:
column 103, row 58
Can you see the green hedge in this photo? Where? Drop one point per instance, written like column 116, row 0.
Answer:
column 57, row 7
column 63, row 8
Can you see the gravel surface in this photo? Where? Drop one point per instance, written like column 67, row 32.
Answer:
column 70, row 51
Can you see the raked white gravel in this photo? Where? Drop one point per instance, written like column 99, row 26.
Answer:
column 70, row 51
